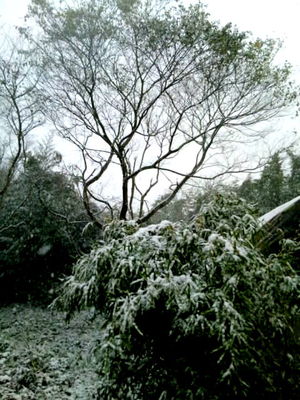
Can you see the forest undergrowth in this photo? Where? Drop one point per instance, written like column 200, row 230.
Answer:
column 42, row 357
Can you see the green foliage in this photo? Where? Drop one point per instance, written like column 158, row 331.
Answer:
column 179, row 209
column 41, row 224
column 188, row 204
column 293, row 180
column 271, row 184
column 193, row 311
column 249, row 190
column 275, row 186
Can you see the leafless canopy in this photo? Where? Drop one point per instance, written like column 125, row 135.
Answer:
column 151, row 93
column 20, row 107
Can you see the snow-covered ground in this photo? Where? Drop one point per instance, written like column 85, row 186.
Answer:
column 44, row 358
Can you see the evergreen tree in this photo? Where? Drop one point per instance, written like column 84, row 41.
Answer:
column 270, row 185
column 41, row 224
column 249, row 190
column 274, row 187
column 293, row 181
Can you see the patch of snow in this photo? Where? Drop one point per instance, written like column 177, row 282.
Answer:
column 42, row 251
column 228, row 246
column 232, row 281
column 213, row 237
column 153, row 229
column 242, row 251
column 158, row 241
column 278, row 210
column 4, row 379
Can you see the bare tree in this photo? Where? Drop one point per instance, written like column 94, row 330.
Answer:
column 20, row 108
column 139, row 87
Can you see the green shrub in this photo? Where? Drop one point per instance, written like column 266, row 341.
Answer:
column 193, row 311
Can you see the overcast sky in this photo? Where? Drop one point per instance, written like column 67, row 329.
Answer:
column 265, row 18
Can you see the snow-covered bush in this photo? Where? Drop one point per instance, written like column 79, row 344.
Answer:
column 193, row 311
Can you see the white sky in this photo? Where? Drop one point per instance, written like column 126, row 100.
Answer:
column 12, row 11
column 265, row 18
